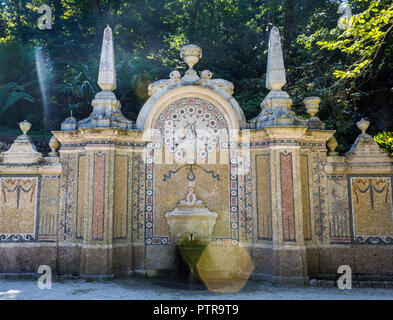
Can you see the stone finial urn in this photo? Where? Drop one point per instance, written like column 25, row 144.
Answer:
column 25, row 126
column 332, row 145
column 53, row 144
column 312, row 106
column 23, row 149
column 191, row 219
column 191, row 54
column 363, row 125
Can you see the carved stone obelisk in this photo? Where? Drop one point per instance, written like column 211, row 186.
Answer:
column 106, row 108
column 107, row 72
column 276, row 106
column 275, row 75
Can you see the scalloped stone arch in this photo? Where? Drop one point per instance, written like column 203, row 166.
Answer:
column 157, row 102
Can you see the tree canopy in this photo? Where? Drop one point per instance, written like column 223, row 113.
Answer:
column 351, row 69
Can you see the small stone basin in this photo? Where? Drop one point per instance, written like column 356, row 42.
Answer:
column 191, row 220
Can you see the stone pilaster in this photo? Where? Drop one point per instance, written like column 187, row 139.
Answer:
column 99, row 215
column 290, row 152
column 287, row 222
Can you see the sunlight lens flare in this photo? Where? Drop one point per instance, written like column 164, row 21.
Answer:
column 225, row 268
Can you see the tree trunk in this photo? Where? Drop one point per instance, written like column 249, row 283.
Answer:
column 378, row 88
column 95, row 4
column 194, row 18
column 380, row 55
column 288, row 29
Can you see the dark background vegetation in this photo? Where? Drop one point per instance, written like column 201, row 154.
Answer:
column 51, row 72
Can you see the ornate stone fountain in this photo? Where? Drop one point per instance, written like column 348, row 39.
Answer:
column 191, row 225
column 191, row 219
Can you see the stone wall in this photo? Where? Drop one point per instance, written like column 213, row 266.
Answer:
column 99, row 207
column 360, row 212
column 29, row 208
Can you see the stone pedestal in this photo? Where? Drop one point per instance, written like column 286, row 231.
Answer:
column 22, row 150
column 276, row 111
column 95, row 201
column 106, row 113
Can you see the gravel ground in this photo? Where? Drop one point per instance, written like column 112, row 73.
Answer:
column 150, row 289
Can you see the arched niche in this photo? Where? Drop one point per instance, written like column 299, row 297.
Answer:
column 167, row 182
column 221, row 99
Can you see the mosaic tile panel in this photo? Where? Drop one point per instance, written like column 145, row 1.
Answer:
column 263, row 197
column 98, row 197
column 138, row 196
column 19, row 208
column 81, row 211
column 307, row 227
column 67, row 195
column 49, row 207
column 319, row 194
column 371, row 201
column 233, row 191
column 121, row 200
column 287, row 197
column 340, row 231
column 246, row 207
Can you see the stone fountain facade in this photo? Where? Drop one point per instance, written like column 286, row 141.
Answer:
column 101, row 205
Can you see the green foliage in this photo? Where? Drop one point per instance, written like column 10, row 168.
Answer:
column 351, row 69
column 10, row 94
column 134, row 74
column 80, row 84
column 364, row 39
column 385, row 141
column 15, row 131
column 234, row 37
column 18, row 65
column 251, row 93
